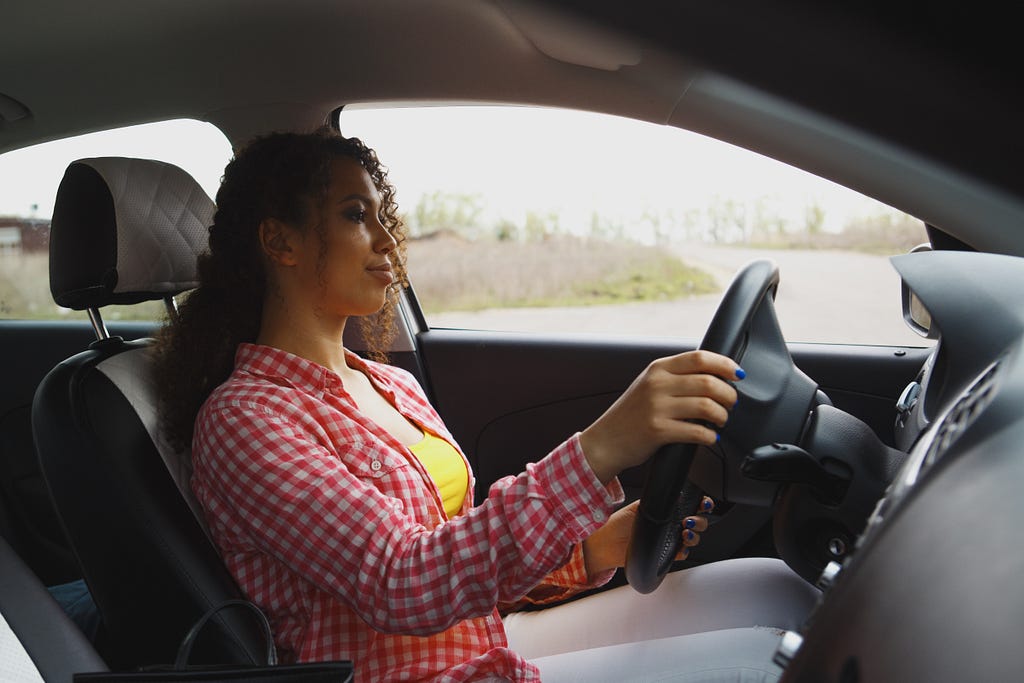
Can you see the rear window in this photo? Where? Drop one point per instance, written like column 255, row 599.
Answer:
column 30, row 178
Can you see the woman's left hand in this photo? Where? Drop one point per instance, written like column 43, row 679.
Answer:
column 606, row 548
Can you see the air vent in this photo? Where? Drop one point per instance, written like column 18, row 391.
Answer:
column 967, row 408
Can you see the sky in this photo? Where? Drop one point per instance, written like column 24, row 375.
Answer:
column 572, row 163
column 30, row 176
column 618, row 166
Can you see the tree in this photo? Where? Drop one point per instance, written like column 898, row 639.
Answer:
column 456, row 211
column 814, row 220
column 542, row 226
column 506, row 231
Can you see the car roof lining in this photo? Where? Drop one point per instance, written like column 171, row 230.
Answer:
column 217, row 61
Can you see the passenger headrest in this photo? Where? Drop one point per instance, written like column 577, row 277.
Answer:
column 125, row 231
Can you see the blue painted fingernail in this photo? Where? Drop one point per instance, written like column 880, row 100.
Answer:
column 718, row 437
column 690, row 523
column 707, row 504
column 689, row 535
column 741, row 373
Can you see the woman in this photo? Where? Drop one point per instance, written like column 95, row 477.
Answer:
column 336, row 495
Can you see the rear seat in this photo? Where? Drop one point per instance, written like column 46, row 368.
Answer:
column 38, row 642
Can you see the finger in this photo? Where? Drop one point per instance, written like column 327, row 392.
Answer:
column 704, row 362
column 697, row 524
column 714, row 389
column 690, row 538
column 706, row 505
column 683, row 553
column 700, row 408
column 684, row 431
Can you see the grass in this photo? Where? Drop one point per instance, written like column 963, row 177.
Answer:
column 25, row 286
column 452, row 274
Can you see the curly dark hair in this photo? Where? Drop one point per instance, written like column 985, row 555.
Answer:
column 283, row 176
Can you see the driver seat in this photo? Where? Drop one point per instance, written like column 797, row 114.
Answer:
column 126, row 231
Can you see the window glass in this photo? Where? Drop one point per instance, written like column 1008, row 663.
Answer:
column 28, row 185
column 543, row 220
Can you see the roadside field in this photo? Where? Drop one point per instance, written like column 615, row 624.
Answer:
column 824, row 296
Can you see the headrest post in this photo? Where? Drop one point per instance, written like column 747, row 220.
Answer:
column 97, row 324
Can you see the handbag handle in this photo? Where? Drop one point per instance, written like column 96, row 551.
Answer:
column 185, row 649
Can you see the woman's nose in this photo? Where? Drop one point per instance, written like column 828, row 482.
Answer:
column 386, row 242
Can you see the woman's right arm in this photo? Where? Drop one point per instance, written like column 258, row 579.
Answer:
column 266, row 483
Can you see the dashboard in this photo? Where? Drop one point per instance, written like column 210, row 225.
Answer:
column 932, row 590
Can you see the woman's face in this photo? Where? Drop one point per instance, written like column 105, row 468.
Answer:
column 344, row 267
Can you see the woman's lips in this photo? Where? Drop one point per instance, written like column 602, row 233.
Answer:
column 384, row 273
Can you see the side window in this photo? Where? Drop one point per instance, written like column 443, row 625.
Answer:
column 29, row 186
column 540, row 220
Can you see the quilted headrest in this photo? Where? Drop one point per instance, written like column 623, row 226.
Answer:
column 125, row 231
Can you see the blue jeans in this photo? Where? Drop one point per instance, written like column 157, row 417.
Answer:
column 77, row 602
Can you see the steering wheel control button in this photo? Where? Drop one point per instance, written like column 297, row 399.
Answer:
column 836, row 547
column 829, row 575
column 790, row 645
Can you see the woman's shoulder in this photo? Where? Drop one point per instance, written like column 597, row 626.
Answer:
column 244, row 392
column 247, row 408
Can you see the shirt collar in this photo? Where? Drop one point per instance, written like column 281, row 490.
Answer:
column 287, row 368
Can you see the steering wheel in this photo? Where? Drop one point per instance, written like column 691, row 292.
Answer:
column 774, row 402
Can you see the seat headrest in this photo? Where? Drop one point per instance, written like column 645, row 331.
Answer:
column 125, row 231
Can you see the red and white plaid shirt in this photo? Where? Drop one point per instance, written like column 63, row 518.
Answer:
column 337, row 531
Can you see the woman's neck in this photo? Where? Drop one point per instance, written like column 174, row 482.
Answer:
column 304, row 333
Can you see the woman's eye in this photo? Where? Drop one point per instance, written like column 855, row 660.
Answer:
column 357, row 215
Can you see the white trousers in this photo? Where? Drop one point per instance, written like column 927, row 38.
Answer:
column 714, row 623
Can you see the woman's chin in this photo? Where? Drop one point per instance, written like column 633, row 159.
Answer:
column 370, row 308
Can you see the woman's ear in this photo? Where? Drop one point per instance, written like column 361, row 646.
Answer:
column 277, row 240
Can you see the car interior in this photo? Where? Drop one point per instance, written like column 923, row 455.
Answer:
column 886, row 475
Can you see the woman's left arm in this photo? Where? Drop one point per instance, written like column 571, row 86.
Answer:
column 595, row 559
column 605, row 549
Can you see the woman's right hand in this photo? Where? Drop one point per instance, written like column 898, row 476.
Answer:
column 666, row 404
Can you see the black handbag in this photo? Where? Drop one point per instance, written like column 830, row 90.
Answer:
column 268, row 672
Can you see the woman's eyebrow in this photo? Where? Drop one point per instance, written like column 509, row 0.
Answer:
column 355, row 195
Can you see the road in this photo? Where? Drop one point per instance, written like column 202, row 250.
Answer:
column 824, row 296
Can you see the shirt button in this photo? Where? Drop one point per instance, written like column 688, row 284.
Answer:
column 375, row 465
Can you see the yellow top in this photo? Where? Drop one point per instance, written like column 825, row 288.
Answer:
column 447, row 468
